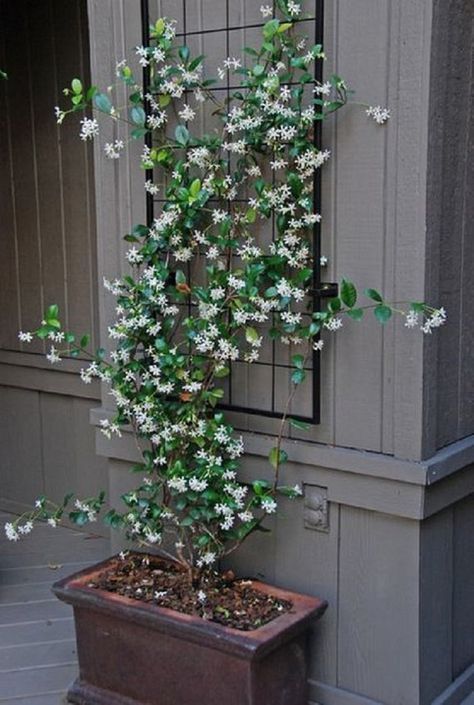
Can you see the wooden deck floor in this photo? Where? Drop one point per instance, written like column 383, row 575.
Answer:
column 37, row 644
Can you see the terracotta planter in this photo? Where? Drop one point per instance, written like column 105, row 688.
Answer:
column 132, row 653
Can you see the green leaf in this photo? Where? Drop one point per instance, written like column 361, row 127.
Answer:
column 138, row 133
column 298, row 361
column 348, row 293
column 183, row 53
column 334, row 304
column 374, row 295
column 356, row 314
column 159, row 26
column 221, row 372
column 301, row 425
column 76, row 86
column 102, row 102
column 382, row 313
column 277, row 457
column 251, row 335
column 195, row 187
column 180, row 277
column 298, row 376
column 251, row 215
column 271, row 28
column 258, row 70
column 138, row 116
column 284, row 27
column 52, row 312
column 182, row 135
column 164, row 100
column 84, row 342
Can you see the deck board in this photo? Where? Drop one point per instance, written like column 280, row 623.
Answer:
column 37, row 641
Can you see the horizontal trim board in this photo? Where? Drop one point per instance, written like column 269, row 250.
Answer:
column 369, row 481
column 64, row 382
column 444, row 463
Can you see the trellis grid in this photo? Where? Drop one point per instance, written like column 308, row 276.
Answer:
column 279, row 371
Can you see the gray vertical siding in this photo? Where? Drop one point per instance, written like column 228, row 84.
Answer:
column 451, row 214
column 48, row 239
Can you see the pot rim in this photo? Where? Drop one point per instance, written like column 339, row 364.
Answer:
column 252, row 644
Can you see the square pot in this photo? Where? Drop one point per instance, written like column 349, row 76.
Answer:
column 135, row 653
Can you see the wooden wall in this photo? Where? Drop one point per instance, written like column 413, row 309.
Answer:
column 451, row 215
column 48, row 243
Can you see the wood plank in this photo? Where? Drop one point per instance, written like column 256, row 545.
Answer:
column 9, row 301
column 463, row 601
column 12, row 615
column 317, row 551
column 21, row 460
column 70, row 460
column 39, row 573
column 69, row 59
column 436, row 605
column 378, row 606
column 24, row 172
column 359, row 155
column 37, row 632
column 55, row 697
column 25, row 593
column 30, row 655
column 44, row 96
column 31, row 681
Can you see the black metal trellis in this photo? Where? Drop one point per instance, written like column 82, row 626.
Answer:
column 319, row 290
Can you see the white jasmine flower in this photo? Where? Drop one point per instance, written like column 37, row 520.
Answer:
column 266, row 10
column 178, row 483
column 333, row 324
column 437, row 319
column 294, row 8
column 11, row 533
column 134, row 256
column 112, row 149
column 158, row 594
column 268, row 505
column 52, row 522
column 150, row 187
column 89, row 129
column 380, row 115
column 323, row 89
column 60, row 115
column 297, row 490
column 25, row 337
column 142, row 53
column 411, row 319
column 26, row 528
column 323, row 260
column 218, row 216
column 201, row 596
column 245, row 516
column 53, row 356
column 318, row 345
column 187, row 113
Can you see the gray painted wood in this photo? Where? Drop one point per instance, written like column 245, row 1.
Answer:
column 37, row 641
column 437, row 577
column 463, row 588
column 450, row 221
column 378, row 606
